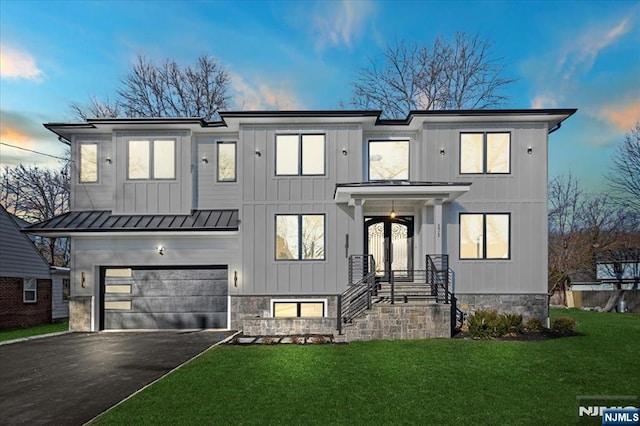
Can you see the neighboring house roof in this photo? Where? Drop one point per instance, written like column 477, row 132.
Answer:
column 370, row 120
column 105, row 221
column 19, row 257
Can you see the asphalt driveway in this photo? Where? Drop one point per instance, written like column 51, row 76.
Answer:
column 71, row 378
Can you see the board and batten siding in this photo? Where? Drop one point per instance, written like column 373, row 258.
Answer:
column 264, row 195
column 98, row 195
column 166, row 196
column 522, row 193
column 208, row 192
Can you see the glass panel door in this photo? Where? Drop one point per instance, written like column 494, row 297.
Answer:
column 390, row 241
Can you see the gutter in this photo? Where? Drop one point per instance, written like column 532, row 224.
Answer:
column 554, row 128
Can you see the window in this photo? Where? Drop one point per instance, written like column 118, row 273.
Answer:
column 66, row 288
column 29, row 290
column 298, row 308
column 388, row 160
column 226, row 161
column 300, row 237
column 151, row 159
column 484, row 236
column 300, row 155
column 88, row 162
column 482, row 153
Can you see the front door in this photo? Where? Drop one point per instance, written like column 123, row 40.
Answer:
column 390, row 241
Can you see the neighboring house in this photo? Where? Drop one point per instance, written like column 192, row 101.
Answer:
column 271, row 221
column 31, row 291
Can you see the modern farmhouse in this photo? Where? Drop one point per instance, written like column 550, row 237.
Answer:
column 307, row 221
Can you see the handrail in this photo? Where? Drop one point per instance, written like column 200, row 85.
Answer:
column 357, row 298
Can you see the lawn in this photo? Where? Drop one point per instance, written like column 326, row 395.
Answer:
column 437, row 381
column 33, row 331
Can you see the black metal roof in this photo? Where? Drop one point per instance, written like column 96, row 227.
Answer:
column 105, row 221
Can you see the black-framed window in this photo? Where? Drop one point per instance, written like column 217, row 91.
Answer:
column 88, row 162
column 29, row 290
column 300, row 155
column 485, row 235
column 227, row 161
column 485, row 153
column 151, row 159
column 388, row 160
column 300, row 237
column 288, row 308
column 66, row 288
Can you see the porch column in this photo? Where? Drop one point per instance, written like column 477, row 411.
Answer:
column 437, row 225
column 424, row 240
column 358, row 234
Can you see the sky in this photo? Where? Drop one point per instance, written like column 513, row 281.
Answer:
column 305, row 54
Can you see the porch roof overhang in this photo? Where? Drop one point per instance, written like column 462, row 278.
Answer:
column 426, row 192
column 93, row 222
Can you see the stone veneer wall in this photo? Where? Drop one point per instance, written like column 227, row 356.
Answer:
column 80, row 313
column 528, row 305
column 401, row 322
column 243, row 307
column 288, row 326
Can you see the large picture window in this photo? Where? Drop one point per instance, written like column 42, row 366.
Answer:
column 300, row 155
column 88, row 162
column 289, row 308
column 388, row 160
column 482, row 153
column 151, row 159
column 485, row 235
column 300, row 237
column 226, row 161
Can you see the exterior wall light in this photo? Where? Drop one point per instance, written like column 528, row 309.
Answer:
column 258, row 153
column 205, row 160
column 442, row 152
column 344, row 151
column 108, row 160
column 529, row 150
column 235, row 279
column 161, row 250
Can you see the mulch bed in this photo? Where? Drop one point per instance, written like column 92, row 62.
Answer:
column 527, row 336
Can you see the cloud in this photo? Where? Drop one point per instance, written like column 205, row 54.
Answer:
column 339, row 23
column 26, row 131
column 623, row 117
column 16, row 65
column 544, row 101
column 261, row 96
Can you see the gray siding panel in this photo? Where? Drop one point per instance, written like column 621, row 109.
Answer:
column 18, row 256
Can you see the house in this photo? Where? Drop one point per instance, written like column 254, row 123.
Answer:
column 300, row 221
column 31, row 292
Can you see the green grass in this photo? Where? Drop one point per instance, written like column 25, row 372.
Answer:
column 33, row 331
column 438, row 381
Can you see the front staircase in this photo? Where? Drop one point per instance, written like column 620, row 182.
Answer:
column 416, row 304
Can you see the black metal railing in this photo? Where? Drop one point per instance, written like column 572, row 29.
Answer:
column 357, row 298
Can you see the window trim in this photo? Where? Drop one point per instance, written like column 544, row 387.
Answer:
column 484, row 152
column 152, row 158
column 80, row 144
column 300, row 136
column 300, row 220
column 324, row 302
column 235, row 161
column 368, row 159
column 25, row 290
column 484, row 236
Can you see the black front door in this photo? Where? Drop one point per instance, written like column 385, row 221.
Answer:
column 390, row 241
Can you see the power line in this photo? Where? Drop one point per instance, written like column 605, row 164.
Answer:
column 35, row 152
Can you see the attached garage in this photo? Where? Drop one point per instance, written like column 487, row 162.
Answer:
column 167, row 298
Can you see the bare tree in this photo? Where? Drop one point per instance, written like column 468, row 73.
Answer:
column 457, row 74
column 624, row 177
column 35, row 194
column 164, row 90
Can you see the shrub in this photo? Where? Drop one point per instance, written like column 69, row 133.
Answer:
column 484, row 324
column 563, row 324
column 512, row 323
column 534, row 324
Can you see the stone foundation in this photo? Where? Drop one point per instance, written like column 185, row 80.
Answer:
column 287, row 326
column 527, row 305
column 401, row 322
column 244, row 307
column 80, row 313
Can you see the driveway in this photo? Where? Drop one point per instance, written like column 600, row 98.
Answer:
column 71, row 378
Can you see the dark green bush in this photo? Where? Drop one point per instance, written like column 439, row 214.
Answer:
column 563, row 324
column 534, row 324
column 512, row 323
column 484, row 324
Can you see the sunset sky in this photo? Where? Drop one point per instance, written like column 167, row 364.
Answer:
column 304, row 54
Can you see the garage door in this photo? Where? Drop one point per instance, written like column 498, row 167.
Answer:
column 176, row 298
